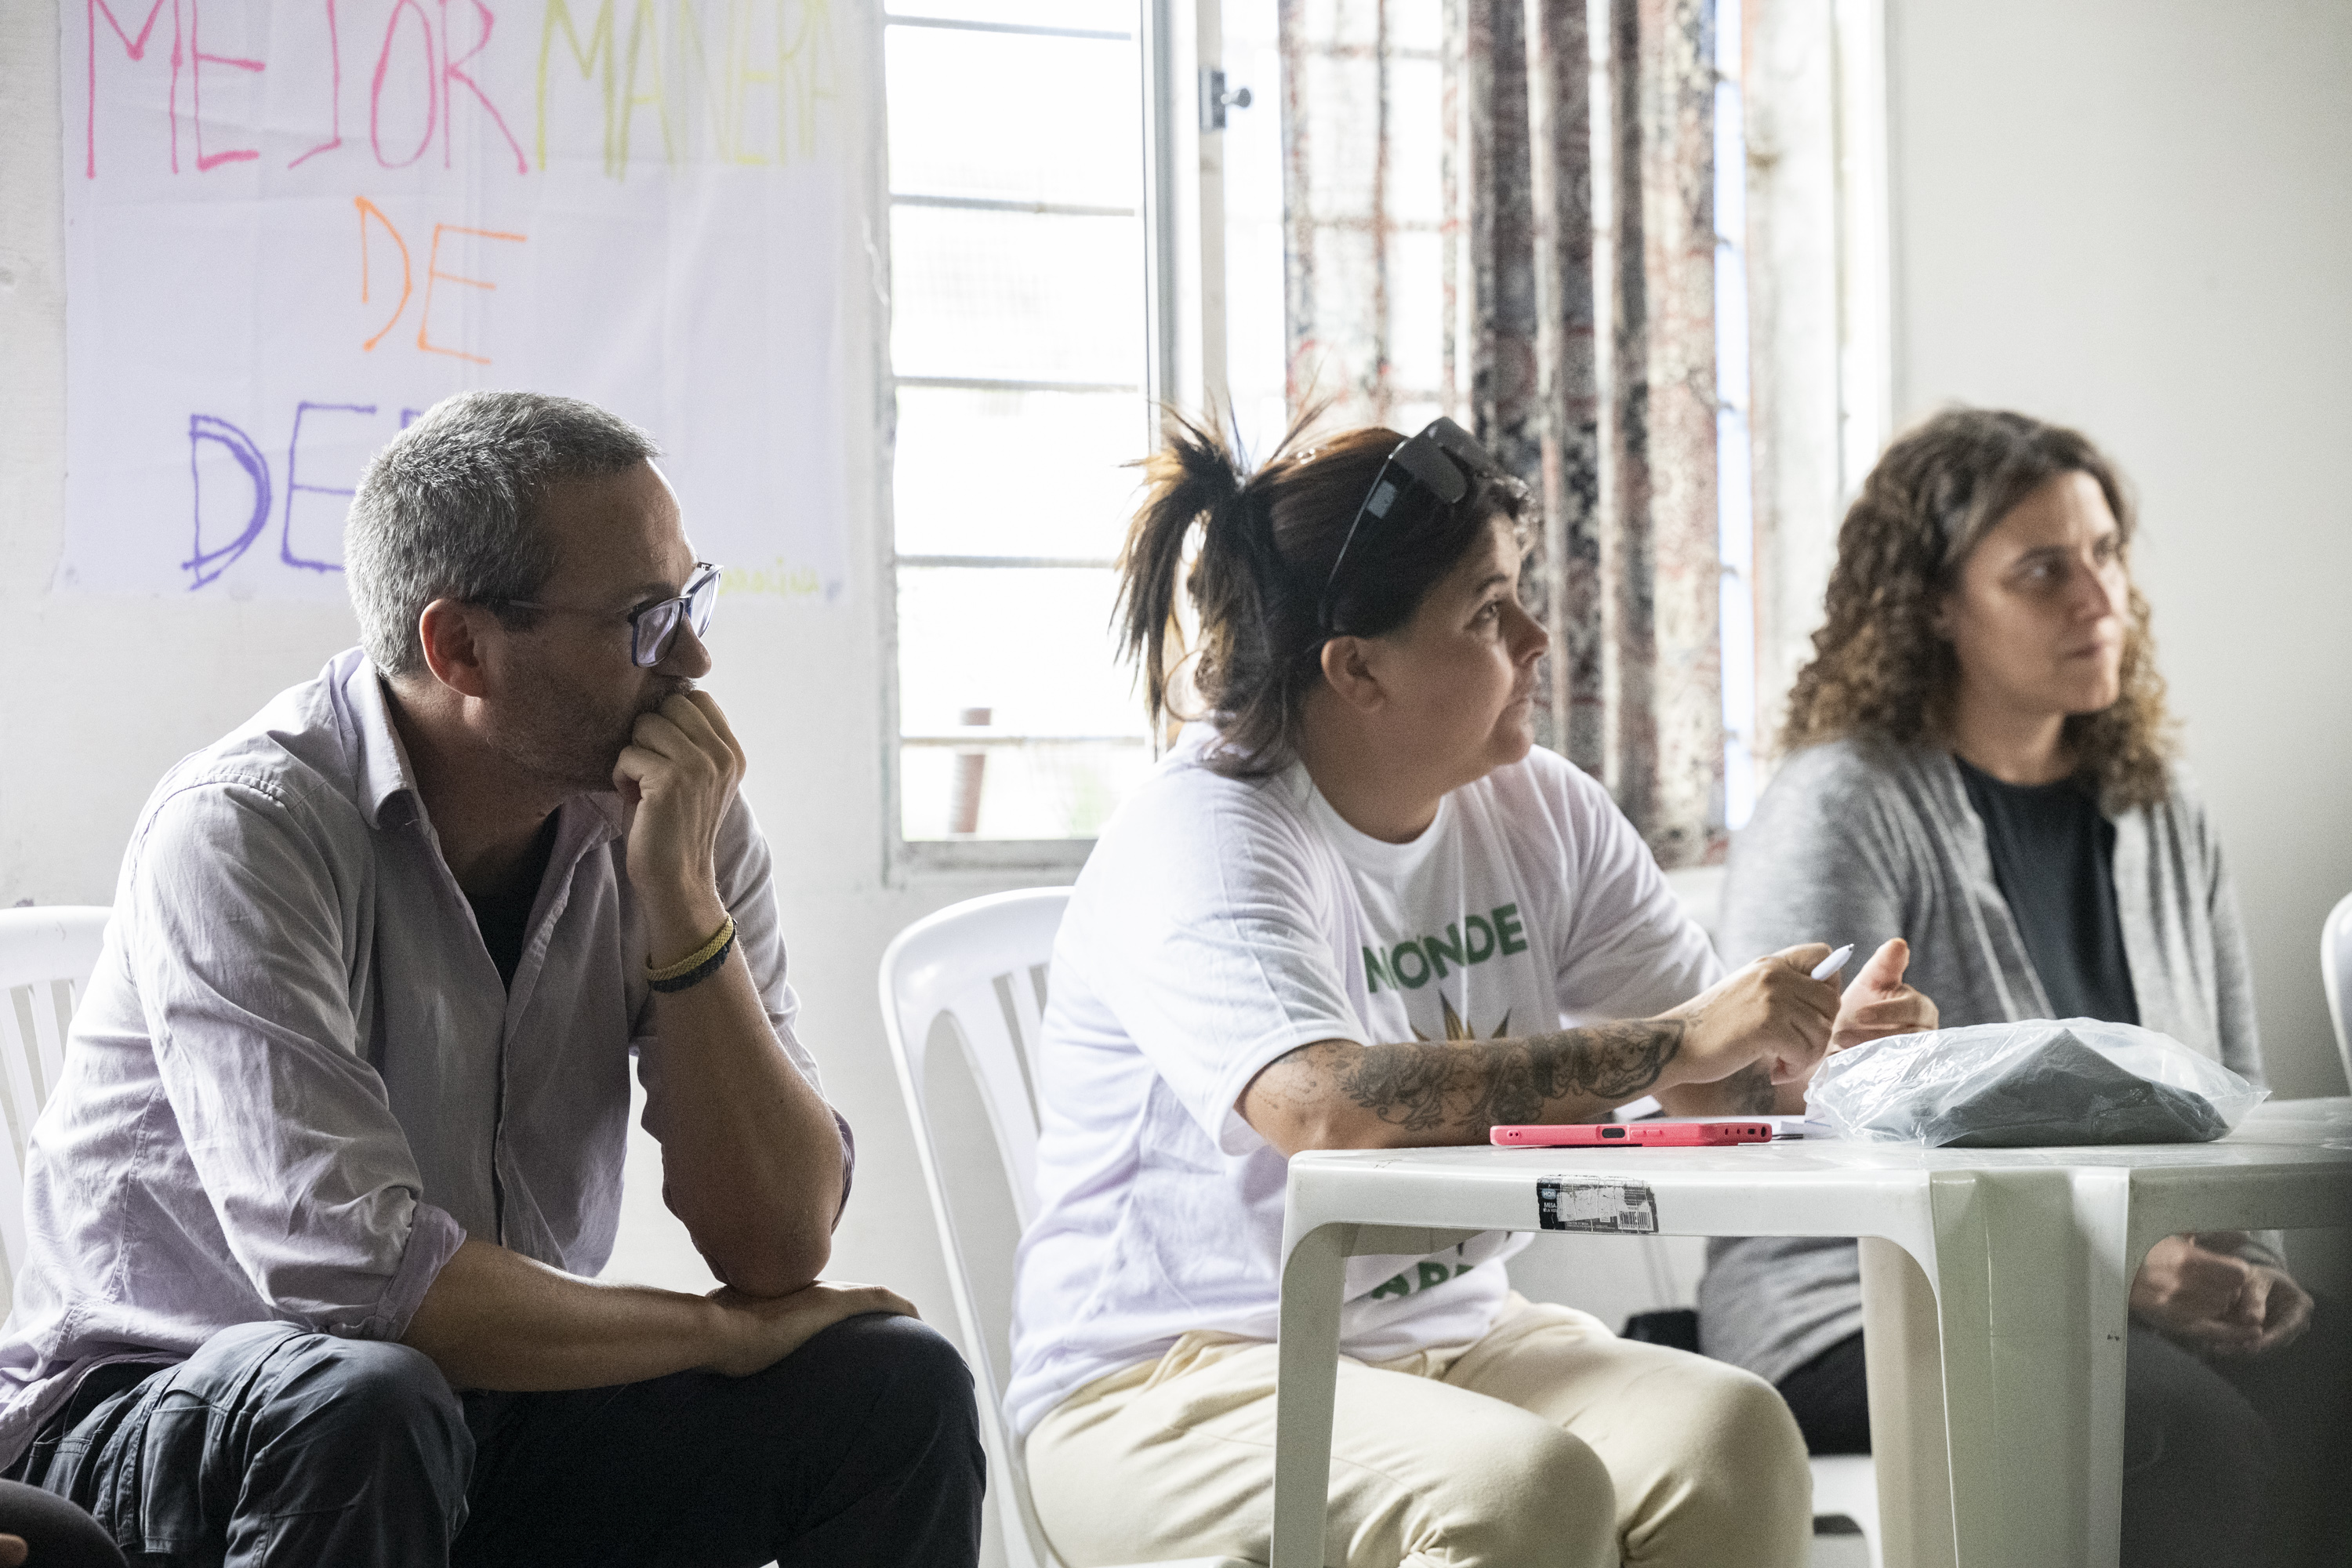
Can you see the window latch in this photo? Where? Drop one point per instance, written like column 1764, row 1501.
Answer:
column 1215, row 99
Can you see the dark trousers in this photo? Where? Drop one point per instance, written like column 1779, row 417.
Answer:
column 272, row 1447
column 2236, row 1462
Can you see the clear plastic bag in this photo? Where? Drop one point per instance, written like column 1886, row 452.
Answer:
column 2037, row 1083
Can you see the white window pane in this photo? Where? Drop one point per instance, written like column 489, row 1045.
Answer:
column 1730, row 165
column 1017, row 296
column 1029, row 792
column 1416, row 313
column 1343, row 145
column 1416, row 180
column 1407, row 418
column 1417, row 26
column 1094, row 15
column 1015, row 473
column 992, row 115
column 1354, row 22
column 1731, row 385
column 1031, row 645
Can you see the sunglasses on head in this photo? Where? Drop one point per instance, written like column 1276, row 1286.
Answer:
column 1421, row 478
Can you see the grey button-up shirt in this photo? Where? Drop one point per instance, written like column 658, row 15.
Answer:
column 296, row 1083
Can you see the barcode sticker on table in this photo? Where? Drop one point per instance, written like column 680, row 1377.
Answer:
column 1609, row 1208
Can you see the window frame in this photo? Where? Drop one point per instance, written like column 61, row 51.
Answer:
column 1154, row 33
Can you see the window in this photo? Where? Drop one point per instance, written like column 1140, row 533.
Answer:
column 1019, row 357
column 1035, row 254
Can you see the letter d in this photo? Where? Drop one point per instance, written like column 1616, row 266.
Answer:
column 207, row 564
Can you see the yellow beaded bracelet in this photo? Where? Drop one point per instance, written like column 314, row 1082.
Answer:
column 699, row 957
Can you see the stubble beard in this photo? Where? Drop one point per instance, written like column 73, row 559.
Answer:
column 567, row 743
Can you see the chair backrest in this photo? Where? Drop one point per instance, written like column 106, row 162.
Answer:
column 45, row 959
column 2336, row 973
column 982, row 964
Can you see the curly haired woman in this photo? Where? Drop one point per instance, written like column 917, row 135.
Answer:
column 1978, row 761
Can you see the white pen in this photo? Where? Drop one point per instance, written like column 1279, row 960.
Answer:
column 1833, row 963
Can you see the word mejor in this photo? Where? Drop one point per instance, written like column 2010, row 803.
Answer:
column 404, row 82
column 1413, row 964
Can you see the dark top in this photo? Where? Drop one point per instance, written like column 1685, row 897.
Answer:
column 2053, row 854
column 505, row 917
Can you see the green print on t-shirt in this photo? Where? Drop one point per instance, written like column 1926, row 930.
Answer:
column 1413, row 964
column 1423, row 1276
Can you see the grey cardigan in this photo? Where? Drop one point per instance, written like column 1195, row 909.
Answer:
column 1859, row 841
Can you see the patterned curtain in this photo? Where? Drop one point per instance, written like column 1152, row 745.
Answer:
column 1446, row 255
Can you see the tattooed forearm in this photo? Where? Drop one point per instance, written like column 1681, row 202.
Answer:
column 1406, row 1086
column 1607, row 1061
column 1470, row 1088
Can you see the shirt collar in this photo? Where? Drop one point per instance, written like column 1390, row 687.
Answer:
column 383, row 771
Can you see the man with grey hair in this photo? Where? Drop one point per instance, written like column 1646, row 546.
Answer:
column 315, row 1215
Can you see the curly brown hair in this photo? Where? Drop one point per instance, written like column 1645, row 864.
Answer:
column 1878, row 667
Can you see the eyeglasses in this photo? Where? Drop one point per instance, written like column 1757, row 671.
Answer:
column 654, row 627
column 1424, row 475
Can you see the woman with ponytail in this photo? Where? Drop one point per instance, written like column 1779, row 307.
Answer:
column 1356, row 908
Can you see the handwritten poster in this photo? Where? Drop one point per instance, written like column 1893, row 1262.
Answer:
column 293, row 225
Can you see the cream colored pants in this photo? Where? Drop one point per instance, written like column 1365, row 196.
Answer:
column 1550, row 1443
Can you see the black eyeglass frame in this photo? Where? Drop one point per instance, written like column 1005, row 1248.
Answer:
column 671, row 614
column 1425, row 472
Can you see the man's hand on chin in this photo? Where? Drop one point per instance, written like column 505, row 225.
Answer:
column 1878, row 1004
column 682, row 766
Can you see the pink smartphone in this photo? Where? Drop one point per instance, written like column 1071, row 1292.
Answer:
column 1653, row 1134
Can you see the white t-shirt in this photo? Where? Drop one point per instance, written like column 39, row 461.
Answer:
column 1222, row 922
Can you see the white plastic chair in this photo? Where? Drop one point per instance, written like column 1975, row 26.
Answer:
column 981, row 965
column 1846, row 1486
column 45, row 959
column 2336, row 973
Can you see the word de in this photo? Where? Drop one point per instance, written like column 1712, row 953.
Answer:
column 433, row 275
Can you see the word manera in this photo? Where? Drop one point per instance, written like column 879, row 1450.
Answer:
column 1413, row 964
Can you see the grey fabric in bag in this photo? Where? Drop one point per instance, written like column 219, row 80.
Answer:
column 2037, row 1083
column 2069, row 1094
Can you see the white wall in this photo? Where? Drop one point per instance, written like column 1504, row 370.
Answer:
column 2136, row 216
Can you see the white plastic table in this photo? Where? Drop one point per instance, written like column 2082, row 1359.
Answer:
column 1995, row 1288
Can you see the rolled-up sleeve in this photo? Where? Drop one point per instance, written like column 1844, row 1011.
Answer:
column 242, row 952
